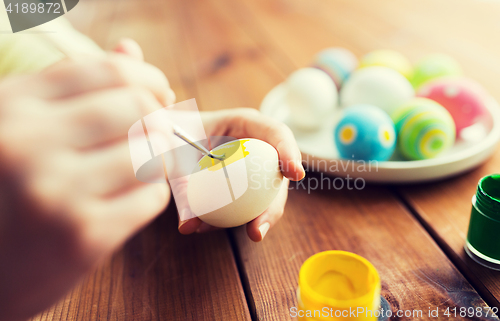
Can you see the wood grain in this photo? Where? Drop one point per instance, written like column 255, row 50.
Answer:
column 231, row 53
column 462, row 29
column 159, row 274
column 415, row 273
column 448, row 221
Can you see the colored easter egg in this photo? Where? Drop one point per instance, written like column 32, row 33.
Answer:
column 425, row 129
column 435, row 66
column 311, row 97
column 379, row 86
column 388, row 58
column 237, row 189
column 464, row 98
column 365, row 132
column 338, row 63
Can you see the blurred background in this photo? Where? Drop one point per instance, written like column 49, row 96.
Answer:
column 228, row 53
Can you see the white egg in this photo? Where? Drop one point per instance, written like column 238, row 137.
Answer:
column 379, row 86
column 237, row 189
column 311, row 97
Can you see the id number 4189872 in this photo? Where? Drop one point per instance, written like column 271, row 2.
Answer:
column 471, row 312
column 47, row 7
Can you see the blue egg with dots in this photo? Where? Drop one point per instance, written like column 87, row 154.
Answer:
column 365, row 132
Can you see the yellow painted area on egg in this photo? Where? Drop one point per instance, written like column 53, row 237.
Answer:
column 347, row 134
column 387, row 135
column 233, row 151
column 337, row 286
column 432, row 135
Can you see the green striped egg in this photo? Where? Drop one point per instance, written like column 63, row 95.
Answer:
column 425, row 129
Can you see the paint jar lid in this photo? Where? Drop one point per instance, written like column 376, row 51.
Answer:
column 338, row 280
column 488, row 196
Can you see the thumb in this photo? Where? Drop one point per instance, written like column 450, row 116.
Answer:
column 130, row 48
column 188, row 222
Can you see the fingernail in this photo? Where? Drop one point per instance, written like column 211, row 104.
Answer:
column 185, row 215
column 181, row 223
column 263, row 229
column 170, row 96
column 300, row 166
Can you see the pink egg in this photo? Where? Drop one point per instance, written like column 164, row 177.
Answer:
column 464, row 98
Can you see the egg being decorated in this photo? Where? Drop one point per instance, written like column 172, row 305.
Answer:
column 434, row 66
column 365, row 132
column 464, row 98
column 237, row 189
column 379, row 86
column 425, row 129
column 338, row 63
column 311, row 97
column 388, row 58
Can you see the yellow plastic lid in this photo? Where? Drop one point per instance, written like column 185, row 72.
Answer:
column 339, row 280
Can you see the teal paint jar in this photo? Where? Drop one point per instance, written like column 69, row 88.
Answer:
column 483, row 237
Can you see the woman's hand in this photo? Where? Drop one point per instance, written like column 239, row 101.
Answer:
column 249, row 123
column 68, row 194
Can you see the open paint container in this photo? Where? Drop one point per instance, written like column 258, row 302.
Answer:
column 483, row 238
column 333, row 284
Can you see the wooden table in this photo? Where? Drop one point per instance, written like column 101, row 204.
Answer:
column 228, row 53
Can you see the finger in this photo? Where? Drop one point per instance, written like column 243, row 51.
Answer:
column 112, row 220
column 130, row 48
column 98, row 118
column 258, row 228
column 245, row 122
column 188, row 221
column 108, row 171
column 205, row 228
column 73, row 78
column 189, row 226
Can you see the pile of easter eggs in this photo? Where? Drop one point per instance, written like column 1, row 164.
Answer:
column 387, row 104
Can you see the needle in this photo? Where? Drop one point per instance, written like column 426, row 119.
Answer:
column 180, row 133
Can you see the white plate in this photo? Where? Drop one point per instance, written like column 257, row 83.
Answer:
column 476, row 144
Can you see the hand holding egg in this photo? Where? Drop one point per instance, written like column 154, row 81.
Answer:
column 237, row 189
column 243, row 123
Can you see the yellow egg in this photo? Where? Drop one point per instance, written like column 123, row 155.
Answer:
column 388, row 58
column 237, row 189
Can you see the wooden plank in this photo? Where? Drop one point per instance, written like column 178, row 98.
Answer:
column 227, row 68
column 158, row 274
column 416, row 274
column 229, row 54
column 448, row 221
column 444, row 208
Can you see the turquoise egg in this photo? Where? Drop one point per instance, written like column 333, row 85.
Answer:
column 365, row 132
